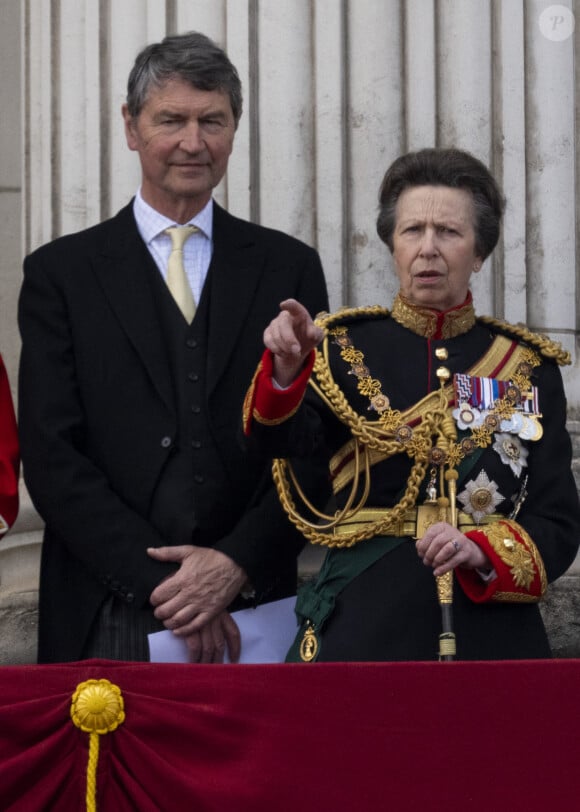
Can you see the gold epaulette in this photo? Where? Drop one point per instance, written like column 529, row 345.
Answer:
column 326, row 320
column 546, row 346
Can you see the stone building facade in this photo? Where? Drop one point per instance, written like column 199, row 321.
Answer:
column 334, row 91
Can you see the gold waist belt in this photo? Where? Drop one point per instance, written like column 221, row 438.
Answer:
column 414, row 522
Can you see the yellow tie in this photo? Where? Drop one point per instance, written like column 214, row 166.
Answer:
column 176, row 279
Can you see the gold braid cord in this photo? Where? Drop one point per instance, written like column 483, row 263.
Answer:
column 547, row 347
column 435, row 434
column 368, row 435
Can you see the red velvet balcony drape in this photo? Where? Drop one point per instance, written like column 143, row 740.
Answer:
column 402, row 736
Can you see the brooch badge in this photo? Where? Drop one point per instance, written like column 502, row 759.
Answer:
column 511, row 452
column 480, row 497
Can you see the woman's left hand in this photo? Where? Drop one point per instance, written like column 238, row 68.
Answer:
column 443, row 548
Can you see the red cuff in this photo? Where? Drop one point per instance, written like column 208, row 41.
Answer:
column 521, row 576
column 268, row 405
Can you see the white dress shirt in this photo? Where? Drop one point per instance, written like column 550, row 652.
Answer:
column 197, row 250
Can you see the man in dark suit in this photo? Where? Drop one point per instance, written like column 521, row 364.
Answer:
column 130, row 398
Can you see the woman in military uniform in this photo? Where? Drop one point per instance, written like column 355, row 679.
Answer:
column 444, row 435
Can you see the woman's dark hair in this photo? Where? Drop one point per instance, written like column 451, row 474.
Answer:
column 444, row 167
column 192, row 57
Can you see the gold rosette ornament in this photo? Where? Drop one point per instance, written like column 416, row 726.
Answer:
column 97, row 708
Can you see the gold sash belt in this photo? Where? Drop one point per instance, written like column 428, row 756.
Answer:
column 414, row 522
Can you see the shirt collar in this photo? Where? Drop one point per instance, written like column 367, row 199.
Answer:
column 152, row 223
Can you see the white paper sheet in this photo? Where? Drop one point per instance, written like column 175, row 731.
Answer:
column 267, row 633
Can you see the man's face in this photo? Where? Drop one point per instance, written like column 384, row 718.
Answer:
column 184, row 138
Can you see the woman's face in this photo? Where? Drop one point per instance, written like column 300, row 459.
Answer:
column 434, row 245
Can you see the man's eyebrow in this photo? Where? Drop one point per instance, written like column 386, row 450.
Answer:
column 165, row 111
column 175, row 113
column 214, row 114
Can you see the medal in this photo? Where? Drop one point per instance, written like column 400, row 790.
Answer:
column 309, row 644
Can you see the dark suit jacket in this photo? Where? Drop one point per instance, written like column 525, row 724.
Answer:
column 98, row 418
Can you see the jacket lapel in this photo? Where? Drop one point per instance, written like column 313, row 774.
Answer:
column 237, row 267
column 120, row 269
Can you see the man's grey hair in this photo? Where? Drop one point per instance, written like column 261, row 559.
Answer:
column 192, row 57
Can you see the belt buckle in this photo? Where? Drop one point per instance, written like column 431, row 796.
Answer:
column 428, row 514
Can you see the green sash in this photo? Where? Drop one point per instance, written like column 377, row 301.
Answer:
column 316, row 599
